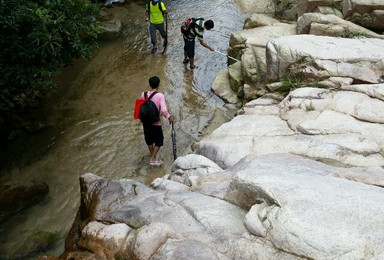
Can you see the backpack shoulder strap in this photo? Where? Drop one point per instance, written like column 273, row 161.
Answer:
column 145, row 95
column 195, row 21
column 161, row 7
column 154, row 93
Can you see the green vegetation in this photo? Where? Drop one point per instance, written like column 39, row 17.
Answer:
column 289, row 82
column 349, row 34
column 338, row 5
column 281, row 7
column 309, row 107
column 296, row 76
column 314, row 84
column 38, row 37
column 364, row 20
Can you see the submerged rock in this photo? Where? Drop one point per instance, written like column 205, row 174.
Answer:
column 16, row 197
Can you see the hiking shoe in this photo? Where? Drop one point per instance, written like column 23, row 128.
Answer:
column 154, row 50
column 156, row 163
column 193, row 67
column 185, row 61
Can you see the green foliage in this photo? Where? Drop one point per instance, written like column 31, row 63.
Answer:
column 349, row 34
column 314, row 84
column 364, row 20
column 289, row 82
column 283, row 6
column 38, row 37
column 309, row 107
column 338, row 5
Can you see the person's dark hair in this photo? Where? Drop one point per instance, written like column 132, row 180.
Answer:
column 209, row 24
column 154, row 81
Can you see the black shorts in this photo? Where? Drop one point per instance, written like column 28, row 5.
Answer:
column 153, row 135
column 189, row 47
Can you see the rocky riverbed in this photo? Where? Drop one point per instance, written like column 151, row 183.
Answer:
column 297, row 174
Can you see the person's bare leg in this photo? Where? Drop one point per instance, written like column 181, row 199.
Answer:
column 150, row 147
column 192, row 63
column 155, row 149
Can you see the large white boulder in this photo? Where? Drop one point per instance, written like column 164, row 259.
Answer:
column 303, row 209
column 261, row 6
column 339, row 126
column 330, row 25
column 287, row 50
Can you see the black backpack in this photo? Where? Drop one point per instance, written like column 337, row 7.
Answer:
column 189, row 24
column 149, row 113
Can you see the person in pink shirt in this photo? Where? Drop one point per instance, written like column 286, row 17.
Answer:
column 153, row 133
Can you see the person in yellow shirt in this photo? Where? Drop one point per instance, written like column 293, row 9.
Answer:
column 155, row 12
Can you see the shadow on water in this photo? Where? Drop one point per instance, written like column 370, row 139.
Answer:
column 90, row 125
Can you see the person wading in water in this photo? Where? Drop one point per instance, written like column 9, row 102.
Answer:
column 155, row 12
column 196, row 28
column 153, row 133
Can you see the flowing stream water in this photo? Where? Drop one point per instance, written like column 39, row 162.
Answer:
column 90, row 125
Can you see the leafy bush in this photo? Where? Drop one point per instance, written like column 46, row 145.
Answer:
column 38, row 37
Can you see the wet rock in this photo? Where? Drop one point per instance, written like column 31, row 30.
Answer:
column 221, row 87
column 111, row 27
column 41, row 241
column 16, row 197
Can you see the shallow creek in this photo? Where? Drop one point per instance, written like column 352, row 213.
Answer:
column 90, row 125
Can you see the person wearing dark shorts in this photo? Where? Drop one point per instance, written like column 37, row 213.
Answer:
column 189, row 40
column 153, row 133
column 189, row 48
